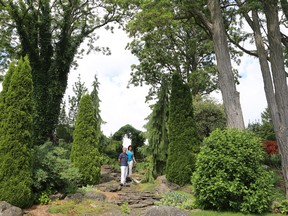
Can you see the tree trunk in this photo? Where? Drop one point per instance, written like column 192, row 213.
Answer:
column 280, row 84
column 230, row 95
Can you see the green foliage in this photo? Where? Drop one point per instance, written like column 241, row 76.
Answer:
column 96, row 104
column 164, row 44
column 5, row 86
column 183, row 137
column 157, row 132
column 264, row 129
column 148, row 167
column 125, row 208
column 230, row 174
column 111, row 148
column 44, row 199
column 16, row 136
column 64, row 130
column 136, row 136
column 177, row 199
column 84, row 153
column 281, row 207
column 86, row 207
column 51, row 35
column 208, row 116
column 79, row 89
column 53, row 170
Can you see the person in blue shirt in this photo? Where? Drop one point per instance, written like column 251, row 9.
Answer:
column 131, row 159
column 123, row 159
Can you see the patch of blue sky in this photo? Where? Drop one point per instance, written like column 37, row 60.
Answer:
column 245, row 67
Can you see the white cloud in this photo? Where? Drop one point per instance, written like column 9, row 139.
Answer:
column 119, row 105
column 251, row 89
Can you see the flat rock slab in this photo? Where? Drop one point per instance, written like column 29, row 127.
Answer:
column 164, row 211
column 137, row 200
column 112, row 186
column 95, row 196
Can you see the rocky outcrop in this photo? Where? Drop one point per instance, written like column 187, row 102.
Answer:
column 137, row 200
column 112, row 186
column 7, row 209
column 109, row 174
column 164, row 211
column 164, row 185
column 95, row 196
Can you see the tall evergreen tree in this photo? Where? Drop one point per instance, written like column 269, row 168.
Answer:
column 96, row 106
column 16, row 137
column 157, row 131
column 84, row 153
column 183, row 137
column 5, row 86
column 79, row 89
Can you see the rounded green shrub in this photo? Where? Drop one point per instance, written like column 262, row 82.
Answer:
column 229, row 173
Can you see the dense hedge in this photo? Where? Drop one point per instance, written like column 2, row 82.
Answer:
column 230, row 174
column 84, row 154
column 183, row 137
column 16, row 138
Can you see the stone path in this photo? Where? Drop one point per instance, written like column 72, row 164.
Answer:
column 111, row 191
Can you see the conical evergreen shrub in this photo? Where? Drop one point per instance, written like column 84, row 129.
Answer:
column 84, row 153
column 5, row 86
column 183, row 138
column 16, row 137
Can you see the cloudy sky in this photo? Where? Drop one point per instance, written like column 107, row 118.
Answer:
column 121, row 105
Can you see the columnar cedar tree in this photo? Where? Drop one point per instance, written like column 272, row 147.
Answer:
column 84, row 153
column 5, row 86
column 16, row 137
column 183, row 137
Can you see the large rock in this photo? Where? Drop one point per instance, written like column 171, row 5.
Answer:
column 95, row 196
column 112, row 186
column 77, row 197
column 7, row 209
column 164, row 185
column 164, row 211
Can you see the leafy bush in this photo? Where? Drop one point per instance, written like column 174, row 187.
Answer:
column 44, row 198
column 53, row 170
column 271, row 147
column 177, row 199
column 273, row 160
column 280, row 207
column 230, row 174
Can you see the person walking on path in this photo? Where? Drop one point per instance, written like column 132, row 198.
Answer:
column 123, row 159
column 131, row 159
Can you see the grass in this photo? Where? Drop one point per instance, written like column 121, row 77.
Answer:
column 73, row 208
column 145, row 187
column 214, row 213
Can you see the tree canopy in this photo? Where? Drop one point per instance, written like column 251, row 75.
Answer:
column 50, row 33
